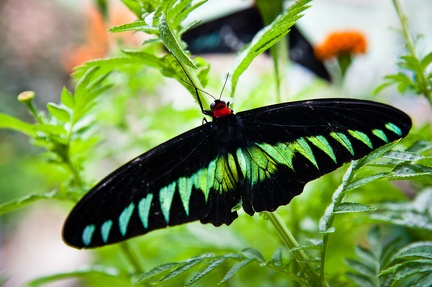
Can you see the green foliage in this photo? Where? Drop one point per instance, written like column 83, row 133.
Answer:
column 317, row 233
column 414, row 75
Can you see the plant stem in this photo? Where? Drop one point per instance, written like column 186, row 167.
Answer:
column 421, row 77
column 289, row 240
column 329, row 216
column 130, row 256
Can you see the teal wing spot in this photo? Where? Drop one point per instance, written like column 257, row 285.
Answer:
column 165, row 197
column 185, row 190
column 199, row 181
column 305, row 150
column 343, row 140
column 125, row 217
column 380, row 134
column 322, row 143
column 242, row 162
column 278, row 154
column 361, row 137
column 105, row 230
column 87, row 234
column 394, row 128
column 144, row 209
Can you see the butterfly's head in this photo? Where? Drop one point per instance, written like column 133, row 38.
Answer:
column 220, row 109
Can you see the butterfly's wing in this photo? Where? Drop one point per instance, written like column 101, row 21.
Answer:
column 294, row 143
column 171, row 184
column 228, row 34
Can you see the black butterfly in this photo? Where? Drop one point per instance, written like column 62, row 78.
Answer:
column 230, row 33
column 259, row 158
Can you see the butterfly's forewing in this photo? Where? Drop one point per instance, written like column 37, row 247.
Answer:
column 228, row 34
column 261, row 157
column 302, row 141
column 169, row 185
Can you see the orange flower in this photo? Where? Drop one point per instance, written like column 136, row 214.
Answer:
column 345, row 43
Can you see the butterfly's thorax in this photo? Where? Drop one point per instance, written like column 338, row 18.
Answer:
column 229, row 133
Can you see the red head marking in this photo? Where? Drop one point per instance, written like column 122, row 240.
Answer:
column 220, row 109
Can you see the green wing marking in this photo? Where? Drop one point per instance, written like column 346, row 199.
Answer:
column 105, row 230
column 322, row 143
column 380, row 134
column 125, row 217
column 87, row 234
column 343, row 140
column 394, row 128
column 361, row 137
column 166, row 195
column 144, row 209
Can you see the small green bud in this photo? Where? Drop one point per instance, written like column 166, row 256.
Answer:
column 26, row 96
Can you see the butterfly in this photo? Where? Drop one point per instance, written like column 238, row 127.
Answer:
column 228, row 34
column 258, row 159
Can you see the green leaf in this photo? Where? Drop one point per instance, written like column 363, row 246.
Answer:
column 99, row 276
column 24, row 201
column 9, row 122
column 365, row 180
column 236, row 267
column 425, row 280
column 360, row 280
column 374, row 155
column 213, row 264
column 157, row 271
column 360, row 268
column 265, row 38
column 417, row 249
column 347, row 207
column 425, row 61
column 185, row 265
column 253, row 254
column 172, row 44
column 67, row 99
column 410, row 171
column 58, row 112
column 140, row 25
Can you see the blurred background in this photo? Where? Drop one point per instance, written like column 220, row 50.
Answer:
column 41, row 42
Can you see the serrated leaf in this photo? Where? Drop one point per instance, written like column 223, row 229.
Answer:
column 408, row 269
column 417, row 249
column 9, row 122
column 373, row 155
column 94, row 274
column 139, row 25
column 157, row 271
column 360, row 280
column 403, row 155
column 265, row 38
column 236, row 267
column 365, row 180
column 361, row 268
column 253, row 254
column 58, row 112
column 347, row 207
column 413, row 172
column 213, row 264
column 425, row 280
column 178, row 271
column 67, row 99
column 172, row 44
column 21, row 202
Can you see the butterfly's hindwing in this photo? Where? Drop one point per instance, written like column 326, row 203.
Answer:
column 261, row 158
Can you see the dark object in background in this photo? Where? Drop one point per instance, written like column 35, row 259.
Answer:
column 230, row 33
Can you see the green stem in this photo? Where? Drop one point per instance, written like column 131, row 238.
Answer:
column 329, row 216
column 130, row 256
column 422, row 78
column 289, row 241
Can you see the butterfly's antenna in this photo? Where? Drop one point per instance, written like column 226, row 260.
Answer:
column 205, row 112
column 223, row 88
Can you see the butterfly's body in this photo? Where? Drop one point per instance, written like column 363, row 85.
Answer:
column 260, row 158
